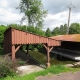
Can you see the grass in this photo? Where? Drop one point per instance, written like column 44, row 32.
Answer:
column 41, row 58
column 56, row 69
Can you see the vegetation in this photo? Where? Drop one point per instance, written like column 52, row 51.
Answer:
column 48, row 32
column 33, row 11
column 74, row 29
column 41, row 58
column 52, row 70
column 6, row 65
column 2, row 29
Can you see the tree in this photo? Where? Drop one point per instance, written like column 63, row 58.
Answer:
column 33, row 12
column 56, row 31
column 48, row 32
column 2, row 30
column 31, row 29
column 63, row 29
column 74, row 28
column 17, row 26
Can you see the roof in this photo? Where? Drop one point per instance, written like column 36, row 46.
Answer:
column 26, row 32
column 70, row 37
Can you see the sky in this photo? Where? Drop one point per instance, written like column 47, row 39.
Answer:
column 57, row 12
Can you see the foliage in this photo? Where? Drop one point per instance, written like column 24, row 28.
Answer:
column 74, row 28
column 2, row 30
column 33, row 12
column 2, row 52
column 7, row 66
column 52, row 70
column 56, row 31
column 17, row 26
column 63, row 29
column 20, row 62
column 35, row 30
column 48, row 32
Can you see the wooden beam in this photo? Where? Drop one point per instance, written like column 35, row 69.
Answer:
column 45, row 46
column 17, row 48
column 50, row 49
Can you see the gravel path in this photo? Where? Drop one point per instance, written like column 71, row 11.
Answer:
column 62, row 76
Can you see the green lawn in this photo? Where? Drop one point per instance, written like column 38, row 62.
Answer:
column 52, row 70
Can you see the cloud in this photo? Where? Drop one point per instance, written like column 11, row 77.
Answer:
column 57, row 12
column 9, row 3
column 56, row 20
column 6, row 17
column 57, row 6
column 8, row 12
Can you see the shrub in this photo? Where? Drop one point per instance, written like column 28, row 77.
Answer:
column 21, row 62
column 7, row 66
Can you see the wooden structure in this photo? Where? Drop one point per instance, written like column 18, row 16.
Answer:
column 70, row 46
column 14, row 38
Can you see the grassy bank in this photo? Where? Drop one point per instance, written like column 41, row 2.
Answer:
column 52, row 70
column 41, row 57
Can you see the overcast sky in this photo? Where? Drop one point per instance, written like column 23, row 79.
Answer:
column 57, row 12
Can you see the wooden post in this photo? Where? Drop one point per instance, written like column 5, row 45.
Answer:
column 13, row 52
column 48, row 58
column 48, row 48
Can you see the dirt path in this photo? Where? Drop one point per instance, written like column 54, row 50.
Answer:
column 62, row 76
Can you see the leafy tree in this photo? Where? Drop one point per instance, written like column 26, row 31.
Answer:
column 48, row 32
column 17, row 26
column 14, row 26
column 56, row 31
column 2, row 30
column 74, row 28
column 33, row 12
column 63, row 29
column 31, row 29
column 39, row 31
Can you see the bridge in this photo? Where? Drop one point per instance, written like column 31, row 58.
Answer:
column 14, row 39
column 67, row 45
